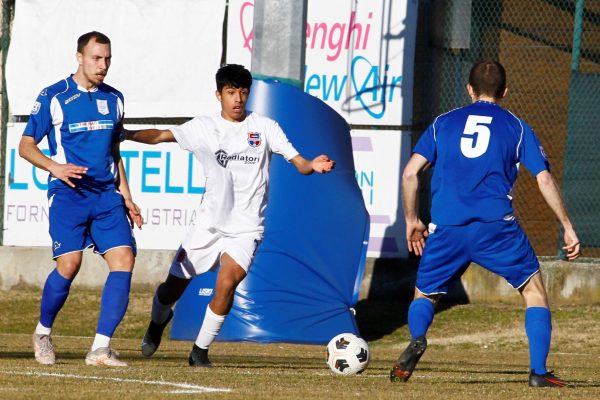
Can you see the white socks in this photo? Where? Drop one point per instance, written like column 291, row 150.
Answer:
column 100, row 341
column 160, row 311
column 42, row 330
column 210, row 328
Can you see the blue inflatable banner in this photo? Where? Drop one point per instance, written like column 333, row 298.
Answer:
column 304, row 281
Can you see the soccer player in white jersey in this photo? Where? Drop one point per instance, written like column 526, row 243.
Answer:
column 234, row 147
column 88, row 196
column 476, row 152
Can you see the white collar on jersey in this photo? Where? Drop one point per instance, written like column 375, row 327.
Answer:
column 81, row 88
column 486, row 102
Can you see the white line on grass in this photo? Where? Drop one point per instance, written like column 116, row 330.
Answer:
column 53, row 335
column 183, row 387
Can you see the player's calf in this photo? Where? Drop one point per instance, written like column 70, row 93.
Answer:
column 153, row 336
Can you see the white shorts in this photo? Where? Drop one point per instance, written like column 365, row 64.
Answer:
column 190, row 262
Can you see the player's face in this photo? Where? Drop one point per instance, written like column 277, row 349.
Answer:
column 233, row 103
column 94, row 62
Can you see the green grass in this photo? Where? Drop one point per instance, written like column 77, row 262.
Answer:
column 476, row 351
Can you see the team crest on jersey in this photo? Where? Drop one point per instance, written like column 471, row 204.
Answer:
column 36, row 108
column 254, row 139
column 102, row 106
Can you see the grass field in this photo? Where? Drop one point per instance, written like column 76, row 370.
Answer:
column 475, row 352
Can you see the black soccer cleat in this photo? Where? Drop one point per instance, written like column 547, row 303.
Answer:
column 546, row 380
column 406, row 363
column 199, row 358
column 153, row 336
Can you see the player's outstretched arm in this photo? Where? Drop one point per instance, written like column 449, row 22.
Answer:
column 149, row 136
column 65, row 172
column 552, row 195
column 416, row 231
column 321, row 164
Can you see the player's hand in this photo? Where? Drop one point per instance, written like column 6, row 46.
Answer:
column 322, row 164
column 66, row 172
column 416, row 233
column 134, row 214
column 572, row 246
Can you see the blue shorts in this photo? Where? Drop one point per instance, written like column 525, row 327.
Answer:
column 499, row 246
column 79, row 219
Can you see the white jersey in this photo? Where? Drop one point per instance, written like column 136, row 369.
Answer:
column 236, row 158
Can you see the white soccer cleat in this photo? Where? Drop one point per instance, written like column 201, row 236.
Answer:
column 104, row 356
column 44, row 351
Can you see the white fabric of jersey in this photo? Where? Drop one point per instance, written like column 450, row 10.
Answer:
column 236, row 158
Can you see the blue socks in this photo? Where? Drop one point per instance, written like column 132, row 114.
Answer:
column 420, row 316
column 538, row 326
column 56, row 291
column 115, row 298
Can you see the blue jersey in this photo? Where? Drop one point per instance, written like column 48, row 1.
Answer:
column 476, row 151
column 81, row 127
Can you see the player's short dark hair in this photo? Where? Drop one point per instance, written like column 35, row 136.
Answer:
column 489, row 78
column 86, row 37
column 233, row 75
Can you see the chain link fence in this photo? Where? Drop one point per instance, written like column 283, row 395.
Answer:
column 551, row 51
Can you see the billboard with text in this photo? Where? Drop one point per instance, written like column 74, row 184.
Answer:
column 359, row 55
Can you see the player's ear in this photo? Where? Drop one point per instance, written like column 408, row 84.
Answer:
column 79, row 57
column 505, row 92
column 471, row 92
column 218, row 95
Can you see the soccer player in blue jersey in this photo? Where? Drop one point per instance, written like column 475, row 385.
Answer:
column 88, row 195
column 476, row 152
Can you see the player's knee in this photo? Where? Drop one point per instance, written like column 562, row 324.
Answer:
column 536, row 298
column 228, row 284
column 534, row 293
column 68, row 268
column 128, row 261
column 434, row 298
column 120, row 259
column 166, row 295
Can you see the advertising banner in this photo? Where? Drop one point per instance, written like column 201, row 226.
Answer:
column 166, row 182
column 359, row 61
column 359, row 55
column 164, row 53
column 379, row 158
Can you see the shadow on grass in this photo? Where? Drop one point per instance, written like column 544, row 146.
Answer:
column 390, row 292
column 29, row 355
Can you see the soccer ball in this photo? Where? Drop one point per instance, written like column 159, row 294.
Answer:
column 347, row 354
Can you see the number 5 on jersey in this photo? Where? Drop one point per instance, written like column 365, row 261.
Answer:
column 474, row 146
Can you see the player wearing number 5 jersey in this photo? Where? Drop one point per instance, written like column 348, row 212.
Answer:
column 476, row 152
